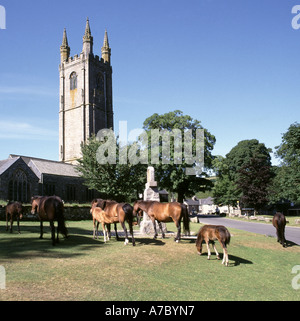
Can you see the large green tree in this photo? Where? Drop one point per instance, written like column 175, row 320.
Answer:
column 286, row 184
column 172, row 175
column 240, row 166
column 113, row 180
column 253, row 181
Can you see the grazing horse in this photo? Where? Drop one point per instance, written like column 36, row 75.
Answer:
column 96, row 220
column 164, row 212
column 210, row 233
column 50, row 208
column 13, row 210
column 99, row 216
column 118, row 213
column 279, row 223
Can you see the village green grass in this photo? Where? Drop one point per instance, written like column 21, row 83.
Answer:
column 81, row 268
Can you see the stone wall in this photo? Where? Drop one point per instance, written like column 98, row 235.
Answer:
column 72, row 213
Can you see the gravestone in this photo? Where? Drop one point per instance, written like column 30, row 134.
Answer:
column 150, row 194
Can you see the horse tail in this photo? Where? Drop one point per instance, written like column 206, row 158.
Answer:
column 128, row 210
column 59, row 213
column 186, row 219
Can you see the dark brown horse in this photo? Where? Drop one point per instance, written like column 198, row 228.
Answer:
column 211, row 233
column 50, row 208
column 279, row 223
column 14, row 210
column 118, row 213
column 164, row 212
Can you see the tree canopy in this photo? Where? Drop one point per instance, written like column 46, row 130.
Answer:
column 243, row 175
column 114, row 181
column 172, row 175
column 286, row 184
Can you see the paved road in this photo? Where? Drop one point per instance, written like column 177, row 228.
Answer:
column 291, row 233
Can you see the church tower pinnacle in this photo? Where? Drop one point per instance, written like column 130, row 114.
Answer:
column 105, row 50
column 87, row 40
column 64, row 48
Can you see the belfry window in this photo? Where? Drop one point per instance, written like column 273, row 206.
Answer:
column 73, row 81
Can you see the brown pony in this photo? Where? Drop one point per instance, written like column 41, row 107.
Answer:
column 164, row 212
column 13, row 210
column 50, row 208
column 99, row 216
column 279, row 223
column 210, row 233
column 96, row 221
column 117, row 213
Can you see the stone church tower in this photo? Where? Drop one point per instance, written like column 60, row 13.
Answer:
column 85, row 95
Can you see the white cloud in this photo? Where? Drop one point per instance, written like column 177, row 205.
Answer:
column 25, row 131
column 27, row 90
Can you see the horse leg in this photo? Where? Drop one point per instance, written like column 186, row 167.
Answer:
column 11, row 224
column 94, row 228
column 6, row 221
column 126, row 235
column 116, row 231
column 131, row 232
column 225, row 255
column 104, row 232
column 162, row 232
column 208, row 250
column 178, row 225
column 18, row 223
column 41, row 229
column 215, row 249
column 52, row 232
column 199, row 245
column 58, row 229
column 283, row 240
column 154, row 226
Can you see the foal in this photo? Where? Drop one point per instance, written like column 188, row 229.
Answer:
column 210, row 233
column 100, row 217
column 13, row 210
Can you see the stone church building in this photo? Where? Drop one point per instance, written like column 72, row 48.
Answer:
column 86, row 106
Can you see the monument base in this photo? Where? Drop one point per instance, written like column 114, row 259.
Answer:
column 151, row 194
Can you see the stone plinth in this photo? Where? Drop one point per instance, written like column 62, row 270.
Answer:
column 150, row 194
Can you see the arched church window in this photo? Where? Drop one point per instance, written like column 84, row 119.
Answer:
column 18, row 189
column 73, row 81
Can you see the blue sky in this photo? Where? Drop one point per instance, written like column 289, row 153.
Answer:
column 234, row 65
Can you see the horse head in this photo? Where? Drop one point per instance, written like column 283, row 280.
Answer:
column 35, row 201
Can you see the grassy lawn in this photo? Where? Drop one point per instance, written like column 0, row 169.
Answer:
column 81, row 268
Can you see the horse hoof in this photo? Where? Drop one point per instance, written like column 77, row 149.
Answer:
column 177, row 241
column 126, row 242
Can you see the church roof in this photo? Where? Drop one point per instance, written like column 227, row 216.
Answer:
column 6, row 163
column 44, row 166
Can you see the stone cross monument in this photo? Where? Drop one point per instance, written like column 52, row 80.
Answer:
column 150, row 194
